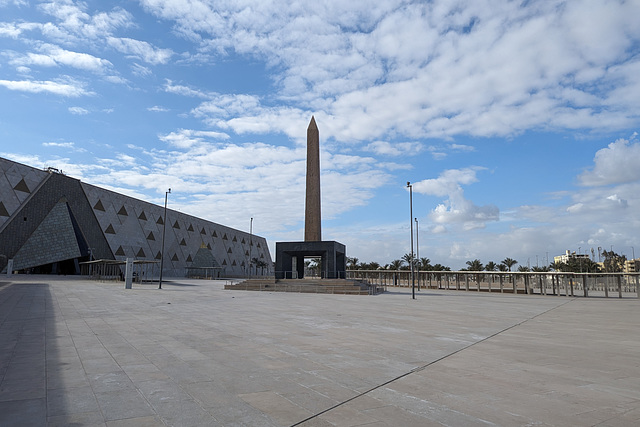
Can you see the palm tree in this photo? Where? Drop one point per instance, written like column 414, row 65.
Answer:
column 475, row 265
column 558, row 266
column 509, row 262
column 371, row 266
column 523, row 268
column 491, row 266
column 396, row 264
column 425, row 264
column 409, row 259
column 352, row 262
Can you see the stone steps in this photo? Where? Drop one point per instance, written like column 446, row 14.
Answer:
column 317, row 286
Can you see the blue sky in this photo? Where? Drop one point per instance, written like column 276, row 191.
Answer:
column 516, row 121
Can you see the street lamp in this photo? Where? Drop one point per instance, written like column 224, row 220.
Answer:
column 164, row 230
column 413, row 282
column 418, row 251
column 250, row 243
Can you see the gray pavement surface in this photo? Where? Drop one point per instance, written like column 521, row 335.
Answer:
column 83, row 353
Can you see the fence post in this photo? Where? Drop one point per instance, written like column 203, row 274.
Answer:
column 502, row 284
column 619, row 277
column 606, row 288
column 466, row 282
column 515, row 285
column 584, row 285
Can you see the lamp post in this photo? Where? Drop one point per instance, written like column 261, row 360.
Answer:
column 418, row 251
column 413, row 282
column 164, row 230
column 250, row 244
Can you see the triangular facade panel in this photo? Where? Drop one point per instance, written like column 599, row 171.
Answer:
column 120, row 251
column 123, row 211
column 22, row 186
column 176, row 225
column 55, row 239
column 174, row 257
column 98, row 206
column 142, row 216
column 110, row 230
column 150, row 236
column 190, row 228
column 141, row 254
column 3, row 210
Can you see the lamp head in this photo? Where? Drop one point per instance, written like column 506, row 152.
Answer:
column 169, row 192
column 408, row 184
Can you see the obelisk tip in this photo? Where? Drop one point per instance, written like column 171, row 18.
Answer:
column 312, row 123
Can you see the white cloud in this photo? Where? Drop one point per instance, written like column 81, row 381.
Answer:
column 15, row 29
column 68, row 145
column 68, row 87
column 158, row 109
column 58, row 144
column 182, row 90
column 4, row 3
column 395, row 149
column 185, row 138
column 140, row 49
column 434, row 69
column 53, row 56
column 141, row 70
column 78, row 111
column 618, row 163
column 456, row 209
column 74, row 23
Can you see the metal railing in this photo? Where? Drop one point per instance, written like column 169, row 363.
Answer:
column 622, row 285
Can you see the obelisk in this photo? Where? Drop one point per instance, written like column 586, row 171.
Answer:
column 312, row 225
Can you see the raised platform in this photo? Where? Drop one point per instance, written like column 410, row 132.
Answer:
column 313, row 286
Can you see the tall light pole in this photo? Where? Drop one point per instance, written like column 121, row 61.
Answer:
column 418, row 251
column 413, row 281
column 164, row 231
column 250, row 243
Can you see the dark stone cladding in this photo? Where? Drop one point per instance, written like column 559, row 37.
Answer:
column 333, row 255
column 26, row 220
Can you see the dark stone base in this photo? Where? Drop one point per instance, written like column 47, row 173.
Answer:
column 333, row 255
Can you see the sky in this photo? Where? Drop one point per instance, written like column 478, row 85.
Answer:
column 515, row 121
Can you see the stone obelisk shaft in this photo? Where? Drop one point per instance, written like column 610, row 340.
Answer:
column 312, row 226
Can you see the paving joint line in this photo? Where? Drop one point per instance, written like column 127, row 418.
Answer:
column 423, row 367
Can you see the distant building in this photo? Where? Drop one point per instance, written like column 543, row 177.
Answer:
column 632, row 265
column 49, row 223
column 569, row 255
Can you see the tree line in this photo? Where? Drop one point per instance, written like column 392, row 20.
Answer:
column 613, row 262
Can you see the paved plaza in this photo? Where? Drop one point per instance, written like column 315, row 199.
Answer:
column 84, row 353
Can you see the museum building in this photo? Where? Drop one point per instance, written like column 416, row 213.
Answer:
column 53, row 223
